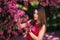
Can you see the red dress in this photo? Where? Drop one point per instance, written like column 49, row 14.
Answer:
column 35, row 30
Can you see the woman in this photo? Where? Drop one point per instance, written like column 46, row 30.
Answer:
column 39, row 25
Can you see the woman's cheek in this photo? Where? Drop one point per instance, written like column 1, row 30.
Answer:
column 36, row 18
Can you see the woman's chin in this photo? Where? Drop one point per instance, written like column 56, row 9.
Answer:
column 35, row 19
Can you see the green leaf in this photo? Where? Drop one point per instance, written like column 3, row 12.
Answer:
column 34, row 3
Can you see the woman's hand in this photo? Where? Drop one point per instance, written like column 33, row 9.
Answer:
column 29, row 21
column 23, row 25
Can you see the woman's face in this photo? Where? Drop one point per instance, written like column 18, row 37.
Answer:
column 35, row 15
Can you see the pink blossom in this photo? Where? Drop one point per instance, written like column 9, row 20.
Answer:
column 9, row 31
column 0, row 2
column 12, row 5
column 52, row 3
column 20, row 0
column 44, row 3
column 26, row 3
column 12, row 11
column 31, row 0
column 58, row 1
column 20, row 12
column 0, row 9
column 5, row 0
column 1, row 32
column 14, row 33
column 9, row 17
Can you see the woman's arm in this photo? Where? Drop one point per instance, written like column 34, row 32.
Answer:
column 33, row 36
column 42, row 32
column 40, row 35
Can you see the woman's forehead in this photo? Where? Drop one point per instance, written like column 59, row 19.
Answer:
column 36, row 11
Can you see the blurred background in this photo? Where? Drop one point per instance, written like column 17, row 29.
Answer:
column 10, row 8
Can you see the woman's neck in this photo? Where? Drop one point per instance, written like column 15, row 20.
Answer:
column 38, row 21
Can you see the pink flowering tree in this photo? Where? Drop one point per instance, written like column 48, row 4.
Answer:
column 12, row 14
column 10, row 18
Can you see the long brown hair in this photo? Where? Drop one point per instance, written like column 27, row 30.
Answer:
column 42, row 15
